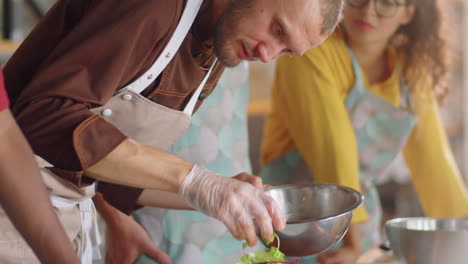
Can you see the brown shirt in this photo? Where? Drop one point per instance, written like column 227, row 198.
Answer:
column 78, row 56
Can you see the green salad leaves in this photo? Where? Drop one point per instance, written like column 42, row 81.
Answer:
column 273, row 255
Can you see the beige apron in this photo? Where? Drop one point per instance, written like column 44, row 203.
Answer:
column 13, row 248
column 137, row 117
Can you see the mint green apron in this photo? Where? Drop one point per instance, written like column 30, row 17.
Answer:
column 381, row 131
column 216, row 139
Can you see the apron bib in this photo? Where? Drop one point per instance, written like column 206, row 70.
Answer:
column 381, row 131
column 216, row 139
column 138, row 118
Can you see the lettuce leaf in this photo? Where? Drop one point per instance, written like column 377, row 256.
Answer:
column 273, row 255
column 261, row 257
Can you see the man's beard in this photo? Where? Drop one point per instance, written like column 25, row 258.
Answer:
column 227, row 30
column 224, row 51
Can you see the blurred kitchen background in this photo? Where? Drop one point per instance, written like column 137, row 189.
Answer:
column 18, row 17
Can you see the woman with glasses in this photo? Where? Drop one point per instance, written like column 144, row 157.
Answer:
column 342, row 113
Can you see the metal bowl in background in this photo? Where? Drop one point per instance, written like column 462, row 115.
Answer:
column 318, row 216
column 422, row 240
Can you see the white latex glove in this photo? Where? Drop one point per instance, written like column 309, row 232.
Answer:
column 237, row 204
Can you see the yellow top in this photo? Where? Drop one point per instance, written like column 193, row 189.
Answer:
column 308, row 114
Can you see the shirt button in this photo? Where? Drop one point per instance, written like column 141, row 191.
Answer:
column 154, row 99
column 127, row 97
column 106, row 112
column 202, row 96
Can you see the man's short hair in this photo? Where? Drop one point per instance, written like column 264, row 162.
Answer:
column 331, row 11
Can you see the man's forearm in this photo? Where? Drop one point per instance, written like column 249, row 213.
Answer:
column 140, row 166
column 163, row 199
column 153, row 198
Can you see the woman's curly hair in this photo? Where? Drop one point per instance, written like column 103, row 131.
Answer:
column 424, row 47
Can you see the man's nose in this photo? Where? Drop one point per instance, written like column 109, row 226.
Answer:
column 268, row 52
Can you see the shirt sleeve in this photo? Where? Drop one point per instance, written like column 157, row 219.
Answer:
column 434, row 172
column 314, row 113
column 99, row 55
column 4, row 103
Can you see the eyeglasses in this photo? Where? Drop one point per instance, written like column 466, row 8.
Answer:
column 383, row 8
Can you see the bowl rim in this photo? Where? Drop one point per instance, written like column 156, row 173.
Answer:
column 359, row 200
column 393, row 223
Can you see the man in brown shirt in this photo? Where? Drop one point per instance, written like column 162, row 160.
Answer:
column 84, row 51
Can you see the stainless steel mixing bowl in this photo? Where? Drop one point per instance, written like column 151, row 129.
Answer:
column 421, row 240
column 318, row 215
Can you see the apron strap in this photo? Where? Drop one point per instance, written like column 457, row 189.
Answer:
column 193, row 100
column 90, row 236
column 186, row 21
column 406, row 100
column 357, row 71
